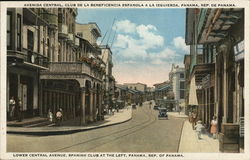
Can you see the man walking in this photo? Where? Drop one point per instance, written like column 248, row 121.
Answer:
column 12, row 105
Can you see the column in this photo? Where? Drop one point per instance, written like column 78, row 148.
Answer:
column 225, row 91
column 82, row 103
column 100, row 104
column 45, row 102
column 40, row 99
column 58, row 100
column 91, row 104
column 94, row 109
column 74, row 106
column 53, row 101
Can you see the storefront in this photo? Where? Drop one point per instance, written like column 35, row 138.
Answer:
column 22, row 84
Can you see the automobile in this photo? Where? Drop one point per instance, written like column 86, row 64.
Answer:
column 156, row 107
column 162, row 113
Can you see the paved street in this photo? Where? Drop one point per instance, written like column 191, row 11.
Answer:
column 144, row 133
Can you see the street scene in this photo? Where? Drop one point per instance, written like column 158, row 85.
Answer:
column 125, row 80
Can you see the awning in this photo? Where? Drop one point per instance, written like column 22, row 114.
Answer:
column 192, row 93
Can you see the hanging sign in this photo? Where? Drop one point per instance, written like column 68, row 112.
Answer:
column 239, row 51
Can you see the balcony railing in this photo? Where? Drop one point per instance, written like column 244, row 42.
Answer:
column 74, row 68
column 71, row 38
column 30, row 57
column 77, row 41
column 50, row 18
column 62, row 30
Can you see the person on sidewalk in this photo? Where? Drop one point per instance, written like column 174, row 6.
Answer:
column 199, row 127
column 59, row 117
column 20, row 110
column 190, row 117
column 194, row 119
column 50, row 115
column 213, row 130
column 12, row 105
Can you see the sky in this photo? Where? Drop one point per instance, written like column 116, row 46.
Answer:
column 144, row 42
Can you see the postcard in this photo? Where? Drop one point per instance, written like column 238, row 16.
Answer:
column 125, row 80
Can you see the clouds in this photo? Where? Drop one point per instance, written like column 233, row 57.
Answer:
column 143, row 43
column 124, row 26
column 179, row 43
column 138, row 45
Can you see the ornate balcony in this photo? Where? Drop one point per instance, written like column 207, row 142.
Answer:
column 28, row 58
column 77, row 41
column 51, row 18
column 71, row 70
column 62, row 30
column 70, row 38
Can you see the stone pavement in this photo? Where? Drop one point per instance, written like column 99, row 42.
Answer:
column 190, row 143
column 122, row 116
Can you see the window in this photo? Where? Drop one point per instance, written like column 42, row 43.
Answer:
column 182, row 85
column 199, row 49
column 9, row 24
column 181, row 75
column 19, row 32
column 182, row 94
column 30, row 40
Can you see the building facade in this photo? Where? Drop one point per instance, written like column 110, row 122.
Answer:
column 220, row 34
column 108, row 79
column 50, row 67
column 177, row 80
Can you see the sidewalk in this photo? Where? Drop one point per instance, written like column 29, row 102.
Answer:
column 122, row 116
column 190, row 143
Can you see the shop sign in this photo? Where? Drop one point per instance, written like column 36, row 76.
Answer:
column 206, row 81
column 239, row 51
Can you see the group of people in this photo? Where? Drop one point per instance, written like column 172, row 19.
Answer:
column 197, row 124
column 15, row 109
column 58, row 116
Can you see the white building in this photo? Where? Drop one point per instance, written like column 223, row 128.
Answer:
column 177, row 80
column 136, row 86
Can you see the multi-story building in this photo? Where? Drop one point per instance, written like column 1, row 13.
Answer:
column 220, row 33
column 50, row 67
column 108, row 79
column 29, row 39
column 162, row 90
column 177, row 80
column 137, row 86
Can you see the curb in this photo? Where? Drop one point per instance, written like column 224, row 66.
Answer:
column 63, row 132
column 178, row 151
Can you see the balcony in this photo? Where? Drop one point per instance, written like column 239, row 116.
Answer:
column 202, row 19
column 214, row 24
column 31, row 17
column 70, row 38
column 77, row 41
column 29, row 58
column 71, row 70
column 62, row 31
column 50, row 18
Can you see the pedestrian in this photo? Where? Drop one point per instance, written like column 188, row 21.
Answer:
column 213, row 130
column 194, row 119
column 50, row 115
column 12, row 105
column 190, row 116
column 199, row 128
column 59, row 117
column 20, row 110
